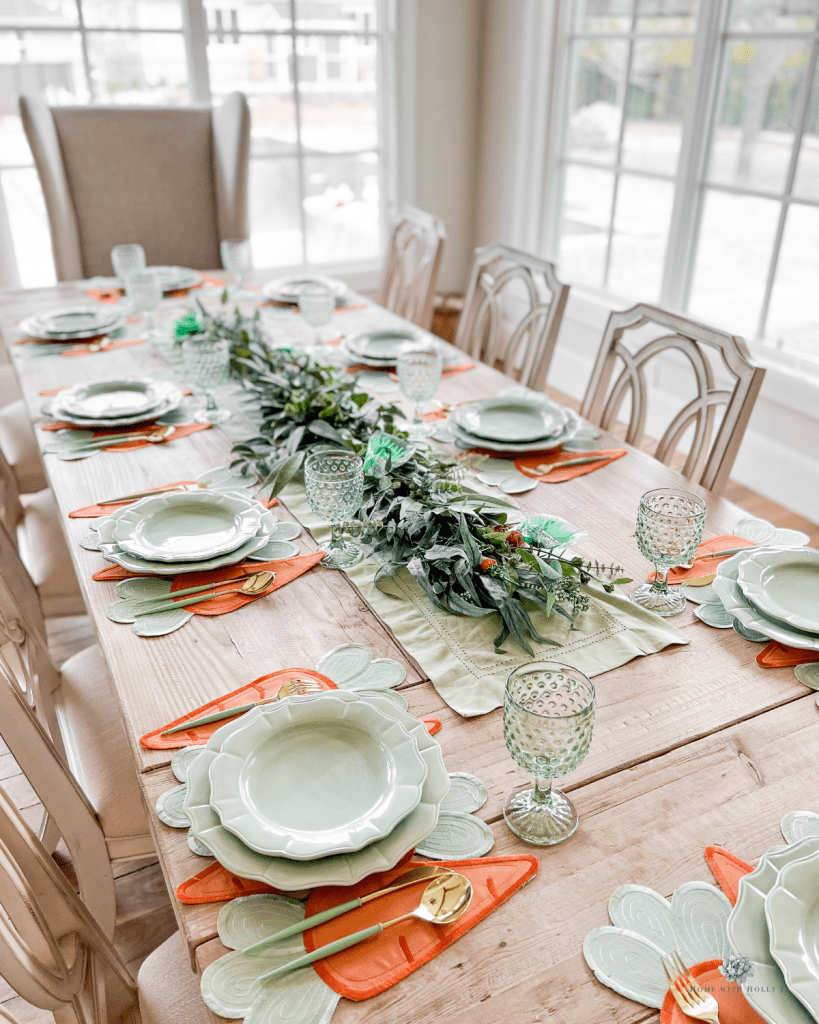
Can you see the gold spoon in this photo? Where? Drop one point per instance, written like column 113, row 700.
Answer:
column 292, row 688
column 254, row 584
column 413, row 877
column 545, row 468
column 154, row 437
column 444, row 901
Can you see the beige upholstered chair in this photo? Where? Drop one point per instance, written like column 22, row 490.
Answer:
column 412, row 266
column 17, row 440
column 173, row 179
column 56, row 948
column 65, row 717
column 737, row 385
column 34, row 521
column 512, row 312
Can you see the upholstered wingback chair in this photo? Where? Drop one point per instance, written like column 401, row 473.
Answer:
column 173, row 179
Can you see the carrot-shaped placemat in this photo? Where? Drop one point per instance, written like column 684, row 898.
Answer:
column 365, row 970
column 728, row 869
column 540, row 466
column 704, row 566
column 448, row 371
column 81, row 349
column 180, row 430
column 776, row 655
column 260, row 689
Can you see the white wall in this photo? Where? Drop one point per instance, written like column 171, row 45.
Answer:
column 438, row 89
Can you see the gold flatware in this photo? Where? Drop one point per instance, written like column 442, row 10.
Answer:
column 700, row 581
column 444, row 901
column 165, row 598
column 691, row 998
column 423, row 874
column 546, row 467
column 154, row 437
column 254, row 584
column 718, row 554
column 292, row 688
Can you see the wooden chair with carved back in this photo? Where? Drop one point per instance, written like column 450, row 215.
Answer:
column 711, row 453
column 512, row 312
column 76, row 710
column 412, row 265
column 56, row 948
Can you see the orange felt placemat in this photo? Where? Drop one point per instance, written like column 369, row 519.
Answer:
column 108, row 348
column 295, row 306
column 527, row 464
column 448, row 371
column 733, row 1006
column 128, row 446
column 379, row 963
column 728, row 869
column 776, row 655
column 705, row 566
column 259, row 689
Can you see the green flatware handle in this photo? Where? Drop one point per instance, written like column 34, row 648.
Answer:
column 153, row 601
column 328, row 950
column 302, row 926
column 217, row 716
column 169, row 607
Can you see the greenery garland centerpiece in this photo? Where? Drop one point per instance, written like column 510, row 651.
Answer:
column 418, row 513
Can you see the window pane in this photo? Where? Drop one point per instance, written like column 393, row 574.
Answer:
column 29, row 227
column 666, row 15
column 584, row 230
column 134, row 14
column 38, row 12
column 274, row 199
column 342, row 208
column 641, row 221
column 315, row 15
column 654, row 108
column 763, row 89
column 261, row 67
column 806, row 183
column 337, row 90
column 784, row 15
column 794, row 309
column 225, row 19
column 598, row 89
column 733, row 256
column 130, row 67
column 604, row 15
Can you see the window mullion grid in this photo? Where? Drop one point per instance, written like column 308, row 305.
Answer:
column 299, row 149
column 789, row 181
column 619, row 157
column 698, row 125
column 195, row 34
column 86, row 60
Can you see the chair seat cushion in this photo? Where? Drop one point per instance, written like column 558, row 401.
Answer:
column 168, row 988
column 99, row 755
column 44, row 552
column 19, row 445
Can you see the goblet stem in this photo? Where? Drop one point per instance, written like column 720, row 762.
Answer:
column 210, row 402
column 418, row 421
column 336, row 537
column 660, row 580
column 542, row 793
column 149, row 324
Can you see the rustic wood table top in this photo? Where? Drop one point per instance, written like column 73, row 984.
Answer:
column 692, row 746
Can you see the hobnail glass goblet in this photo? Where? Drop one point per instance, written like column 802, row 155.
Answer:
column 235, row 253
column 144, row 290
column 419, row 368
column 316, row 305
column 548, row 716
column 126, row 260
column 669, row 528
column 207, row 364
column 334, row 481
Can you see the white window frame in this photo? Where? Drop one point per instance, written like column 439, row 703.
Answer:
column 699, row 122
column 195, row 34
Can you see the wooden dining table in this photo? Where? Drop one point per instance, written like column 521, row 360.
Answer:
column 692, row 746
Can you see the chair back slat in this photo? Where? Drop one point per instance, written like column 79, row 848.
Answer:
column 512, row 312
column 412, row 265
column 711, row 453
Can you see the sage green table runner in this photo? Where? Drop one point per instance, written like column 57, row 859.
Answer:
column 456, row 652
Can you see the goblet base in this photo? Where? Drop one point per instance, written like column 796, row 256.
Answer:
column 661, row 602
column 214, row 416
column 342, row 557
column 541, row 822
column 420, row 431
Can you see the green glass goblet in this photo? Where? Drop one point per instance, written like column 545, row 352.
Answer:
column 207, row 365
column 548, row 716
column 334, row 481
column 669, row 528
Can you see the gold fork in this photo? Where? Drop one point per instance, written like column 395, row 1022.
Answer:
column 292, row 688
column 691, row 998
